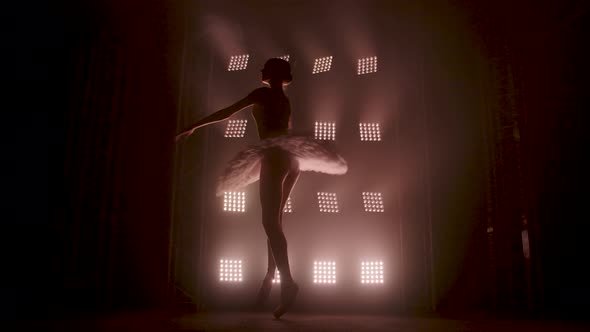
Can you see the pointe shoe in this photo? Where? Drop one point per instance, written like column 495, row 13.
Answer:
column 288, row 295
column 263, row 292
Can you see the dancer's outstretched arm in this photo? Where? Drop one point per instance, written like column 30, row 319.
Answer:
column 220, row 115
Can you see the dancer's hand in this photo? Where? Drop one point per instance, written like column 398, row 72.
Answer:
column 184, row 135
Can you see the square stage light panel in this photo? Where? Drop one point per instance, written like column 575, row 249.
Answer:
column 328, row 202
column 370, row 132
column 324, row 272
column 288, row 206
column 373, row 202
column 230, row 270
column 372, row 272
column 277, row 278
column 236, row 128
column 234, row 201
column 238, row 62
column 325, row 131
column 322, row 65
column 367, row 65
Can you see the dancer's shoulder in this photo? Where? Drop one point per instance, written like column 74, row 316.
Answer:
column 259, row 94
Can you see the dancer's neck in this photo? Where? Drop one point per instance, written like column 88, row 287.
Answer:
column 277, row 85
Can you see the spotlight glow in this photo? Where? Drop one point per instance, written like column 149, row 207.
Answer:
column 328, row 202
column 285, row 57
column 230, row 270
column 234, row 201
column 373, row 202
column 321, row 65
column 370, row 131
column 325, row 131
column 238, row 62
column 324, row 272
column 236, row 128
column 288, row 207
column 372, row 272
column 277, row 278
column 367, row 65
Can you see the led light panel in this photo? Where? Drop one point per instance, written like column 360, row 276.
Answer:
column 373, row 202
column 324, row 272
column 328, row 202
column 277, row 278
column 288, row 207
column 325, row 131
column 321, row 65
column 370, row 131
column 367, row 65
column 234, row 201
column 285, row 57
column 230, row 270
column 238, row 62
column 372, row 272
column 236, row 128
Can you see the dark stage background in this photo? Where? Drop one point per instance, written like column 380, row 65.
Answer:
column 91, row 109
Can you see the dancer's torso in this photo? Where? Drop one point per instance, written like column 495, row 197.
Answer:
column 272, row 113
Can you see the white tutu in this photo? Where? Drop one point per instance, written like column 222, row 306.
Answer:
column 313, row 155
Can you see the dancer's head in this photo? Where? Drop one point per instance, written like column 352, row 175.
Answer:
column 277, row 70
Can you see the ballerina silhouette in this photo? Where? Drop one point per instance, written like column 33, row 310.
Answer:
column 276, row 161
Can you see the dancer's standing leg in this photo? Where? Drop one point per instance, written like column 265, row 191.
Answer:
column 275, row 167
column 288, row 184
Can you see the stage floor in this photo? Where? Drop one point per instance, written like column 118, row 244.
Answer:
column 333, row 322
column 148, row 321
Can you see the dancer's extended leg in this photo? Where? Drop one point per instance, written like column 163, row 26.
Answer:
column 288, row 185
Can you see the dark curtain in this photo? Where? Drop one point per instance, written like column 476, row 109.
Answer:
column 90, row 134
column 534, row 98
